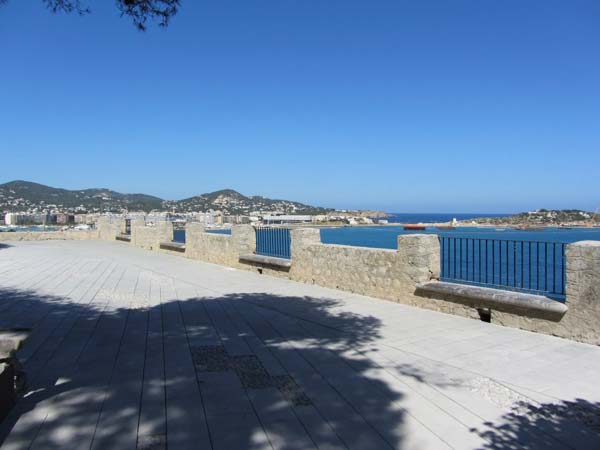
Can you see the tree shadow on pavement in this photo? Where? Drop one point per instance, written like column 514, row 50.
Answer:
column 529, row 426
column 228, row 372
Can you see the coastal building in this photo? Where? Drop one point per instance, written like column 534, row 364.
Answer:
column 285, row 219
column 10, row 219
column 65, row 219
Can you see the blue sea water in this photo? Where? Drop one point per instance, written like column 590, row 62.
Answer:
column 386, row 236
column 434, row 217
column 511, row 259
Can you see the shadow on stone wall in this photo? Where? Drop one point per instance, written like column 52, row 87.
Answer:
column 98, row 375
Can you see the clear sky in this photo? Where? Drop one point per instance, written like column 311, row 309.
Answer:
column 407, row 106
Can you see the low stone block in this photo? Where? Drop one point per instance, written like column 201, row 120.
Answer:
column 7, row 389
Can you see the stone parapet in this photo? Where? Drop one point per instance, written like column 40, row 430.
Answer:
column 69, row 235
column 149, row 237
column 392, row 274
column 383, row 273
column 582, row 322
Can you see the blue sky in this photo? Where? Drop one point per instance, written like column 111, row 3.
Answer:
column 421, row 106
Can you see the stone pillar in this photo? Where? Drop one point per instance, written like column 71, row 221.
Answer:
column 107, row 230
column 303, row 237
column 164, row 231
column 583, row 291
column 420, row 255
column 119, row 225
column 8, row 396
column 137, row 222
column 244, row 239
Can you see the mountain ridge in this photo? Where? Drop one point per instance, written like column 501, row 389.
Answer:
column 21, row 195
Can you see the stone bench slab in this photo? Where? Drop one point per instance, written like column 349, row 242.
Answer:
column 11, row 341
column 266, row 260
column 174, row 246
column 519, row 303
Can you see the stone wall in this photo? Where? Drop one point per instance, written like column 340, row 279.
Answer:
column 150, row 237
column 69, row 235
column 107, row 230
column 582, row 322
column 383, row 273
column 224, row 249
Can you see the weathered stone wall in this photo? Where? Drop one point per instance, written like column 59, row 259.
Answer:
column 107, row 230
column 383, row 273
column 69, row 235
column 150, row 237
column 216, row 248
column 582, row 321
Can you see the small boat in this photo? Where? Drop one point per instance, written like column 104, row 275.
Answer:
column 414, row 226
column 446, row 227
column 500, row 229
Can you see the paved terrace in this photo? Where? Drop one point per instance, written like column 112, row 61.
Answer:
column 132, row 349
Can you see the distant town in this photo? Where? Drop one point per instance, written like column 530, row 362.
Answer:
column 25, row 203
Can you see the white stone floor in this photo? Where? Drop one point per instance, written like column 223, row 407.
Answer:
column 132, row 349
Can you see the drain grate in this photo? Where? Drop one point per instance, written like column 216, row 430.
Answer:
column 210, row 358
column 152, row 442
column 291, row 391
column 250, row 371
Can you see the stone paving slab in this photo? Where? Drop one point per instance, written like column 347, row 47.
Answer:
column 131, row 349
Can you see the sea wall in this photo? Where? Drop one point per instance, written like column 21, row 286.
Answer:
column 383, row 273
column 69, row 235
column 223, row 249
column 107, row 229
column 149, row 237
column 582, row 322
column 396, row 275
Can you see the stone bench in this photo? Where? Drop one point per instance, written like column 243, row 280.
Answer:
column 123, row 237
column 12, row 378
column 529, row 305
column 173, row 246
column 271, row 261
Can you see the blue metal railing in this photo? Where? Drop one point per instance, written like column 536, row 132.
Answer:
column 272, row 241
column 525, row 266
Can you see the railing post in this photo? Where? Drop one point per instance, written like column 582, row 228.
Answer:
column 244, row 239
column 301, row 238
column 583, row 290
column 420, row 254
column 164, row 231
column 107, row 230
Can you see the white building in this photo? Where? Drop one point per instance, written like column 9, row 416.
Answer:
column 286, row 218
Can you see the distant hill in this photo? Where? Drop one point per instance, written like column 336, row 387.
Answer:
column 33, row 197
column 542, row 217
column 232, row 202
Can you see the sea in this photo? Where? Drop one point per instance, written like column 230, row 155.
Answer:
column 386, row 236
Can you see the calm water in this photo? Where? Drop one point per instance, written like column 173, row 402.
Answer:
column 386, row 237
column 434, row 217
column 512, row 259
